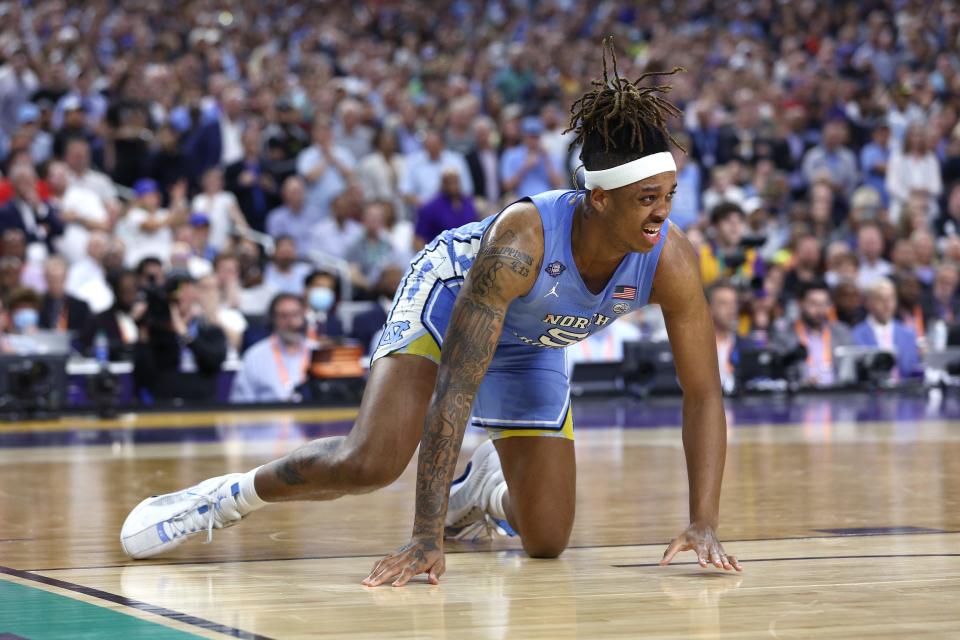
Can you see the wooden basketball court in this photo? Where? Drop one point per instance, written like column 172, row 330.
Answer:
column 847, row 523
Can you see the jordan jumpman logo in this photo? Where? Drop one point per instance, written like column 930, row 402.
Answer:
column 553, row 292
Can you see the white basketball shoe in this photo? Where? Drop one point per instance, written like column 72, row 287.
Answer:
column 468, row 514
column 161, row 523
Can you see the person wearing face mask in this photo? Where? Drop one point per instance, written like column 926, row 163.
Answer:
column 23, row 319
column 320, row 295
column 274, row 367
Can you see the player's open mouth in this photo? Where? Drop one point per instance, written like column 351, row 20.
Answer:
column 652, row 231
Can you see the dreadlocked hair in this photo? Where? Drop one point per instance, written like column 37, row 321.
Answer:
column 620, row 120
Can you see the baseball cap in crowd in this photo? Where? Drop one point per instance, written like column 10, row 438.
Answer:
column 199, row 219
column 531, row 126
column 143, row 186
column 28, row 112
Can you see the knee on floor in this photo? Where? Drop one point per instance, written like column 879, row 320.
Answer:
column 546, row 547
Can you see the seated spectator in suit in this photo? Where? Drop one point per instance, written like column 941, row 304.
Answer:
column 321, row 291
column 881, row 329
column 909, row 307
column 59, row 311
column 119, row 322
column 367, row 325
column 274, row 367
column 26, row 211
column 180, row 351
column 814, row 330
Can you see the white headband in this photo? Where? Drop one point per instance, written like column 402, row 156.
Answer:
column 633, row 171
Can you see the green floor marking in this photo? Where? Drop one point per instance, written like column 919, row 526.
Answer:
column 34, row 614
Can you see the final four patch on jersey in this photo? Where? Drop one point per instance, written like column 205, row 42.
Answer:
column 624, row 292
column 555, row 269
column 621, row 307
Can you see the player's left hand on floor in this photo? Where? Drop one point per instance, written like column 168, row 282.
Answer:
column 703, row 540
column 417, row 556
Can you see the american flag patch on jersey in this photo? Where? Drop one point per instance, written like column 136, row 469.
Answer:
column 621, row 292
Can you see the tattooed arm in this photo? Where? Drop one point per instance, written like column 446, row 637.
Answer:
column 506, row 268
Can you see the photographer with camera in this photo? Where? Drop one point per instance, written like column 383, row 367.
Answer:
column 815, row 333
column 728, row 253
column 118, row 324
column 180, row 352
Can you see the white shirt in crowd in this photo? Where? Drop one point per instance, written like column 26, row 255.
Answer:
column 217, row 208
column 97, row 182
column 145, row 244
column 270, row 372
column 87, row 205
column 86, row 280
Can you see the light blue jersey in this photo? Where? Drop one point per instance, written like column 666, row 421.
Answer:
column 526, row 390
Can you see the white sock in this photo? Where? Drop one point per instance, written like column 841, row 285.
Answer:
column 495, row 502
column 248, row 499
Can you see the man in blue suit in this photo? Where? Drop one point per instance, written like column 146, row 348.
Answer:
column 880, row 329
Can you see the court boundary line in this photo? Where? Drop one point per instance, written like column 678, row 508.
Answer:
column 462, row 551
column 139, row 605
column 868, row 556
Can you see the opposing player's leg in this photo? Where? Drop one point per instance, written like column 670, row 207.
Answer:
column 373, row 455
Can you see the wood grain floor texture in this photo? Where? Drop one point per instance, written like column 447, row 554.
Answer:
column 798, row 503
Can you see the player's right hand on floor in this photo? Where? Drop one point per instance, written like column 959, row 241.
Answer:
column 420, row 555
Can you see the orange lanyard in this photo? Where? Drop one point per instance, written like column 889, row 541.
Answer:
column 827, row 352
column 63, row 321
column 918, row 325
column 281, row 365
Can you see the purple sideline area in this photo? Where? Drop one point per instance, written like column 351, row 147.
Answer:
column 904, row 409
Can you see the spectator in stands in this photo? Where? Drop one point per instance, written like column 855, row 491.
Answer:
column 379, row 172
column 150, row 273
column 250, row 181
column 483, row 160
column 806, row 267
column 285, row 274
column 118, row 323
column 221, row 207
column 527, row 169
column 372, row 252
column 334, row 235
column 179, row 354
column 685, row 209
column 22, row 322
column 321, row 292
column 350, row 132
column 831, row 160
column 148, row 228
column 882, row 329
column 870, row 253
column 421, row 179
column 76, row 154
column 326, row 167
column 367, row 325
column 11, row 268
column 913, row 171
column 723, row 256
column 948, row 223
column 292, row 218
column 231, row 121
column 74, row 125
column 81, row 212
column 274, row 367
column 848, row 303
column 38, row 220
column 909, row 304
column 87, row 278
column 449, row 209
column 58, row 310
column 874, row 158
column 842, row 265
column 818, row 335
column 925, row 254
column 39, row 142
column 723, row 299
column 218, row 313
column 942, row 301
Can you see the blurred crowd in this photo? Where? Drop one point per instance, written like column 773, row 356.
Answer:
column 176, row 174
